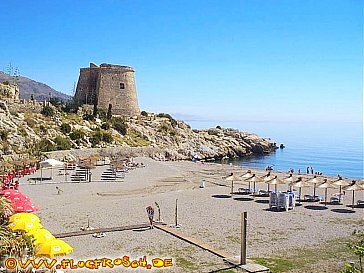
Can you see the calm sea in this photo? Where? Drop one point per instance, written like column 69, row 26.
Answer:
column 329, row 148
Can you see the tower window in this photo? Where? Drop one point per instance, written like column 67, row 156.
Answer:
column 122, row 85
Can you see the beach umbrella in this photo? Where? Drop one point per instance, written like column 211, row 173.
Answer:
column 49, row 163
column 300, row 184
column 290, row 179
column 26, row 216
column 54, row 248
column 248, row 174
column 24, row 206
column 24, row 225
column 276, row 181
column 266, row 178
column 341, row 183
column 253, row 179
column 325, row 186
column 315, row 180
column 11, row 193
column 41, row 235
column 232, row 178
column 354, row 187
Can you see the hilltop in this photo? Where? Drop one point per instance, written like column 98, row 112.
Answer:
column 40, row 91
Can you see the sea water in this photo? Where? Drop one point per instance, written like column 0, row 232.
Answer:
column 330, row 148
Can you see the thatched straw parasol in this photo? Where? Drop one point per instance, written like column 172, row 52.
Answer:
column 354, row 187
column 248, row 174
column 290, row 179
column 315, row 180
column 325, row 186
column 253, row 179
column 266, row 178
column 232, row 178
column 276, row 181
column 300, row 184
column 341, row 183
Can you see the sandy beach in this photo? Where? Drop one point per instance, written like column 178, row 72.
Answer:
column 210, row 214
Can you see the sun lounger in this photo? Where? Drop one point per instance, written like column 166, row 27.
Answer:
column 246, row 190
column 360, row 203
column 336, row 198
column 311, row 198
column 262, row 193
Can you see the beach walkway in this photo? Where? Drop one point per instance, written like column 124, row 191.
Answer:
column 250, row 266
column 99, row 230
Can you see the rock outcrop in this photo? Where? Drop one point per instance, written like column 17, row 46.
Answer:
column 181, row 142
column 164, row 137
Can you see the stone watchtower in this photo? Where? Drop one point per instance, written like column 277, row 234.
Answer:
column 109, row 87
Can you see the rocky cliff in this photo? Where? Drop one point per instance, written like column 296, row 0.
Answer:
column 166, row 138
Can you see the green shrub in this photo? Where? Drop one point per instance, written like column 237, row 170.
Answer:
column 106, row 126
column 101, row 114
column 88, row 117
column 96, row 137
column 65, row 128
column 62, row 143
column 56, row 102
column 22, row 131
column 77, row 134
column 4, row 135
column 172, row 120
column 143, row 113
column 119, row 125
column 43, row 128
column 45, row 146
column 218, row 127
column 6, row 83
column 71, row 106
column 99, row 136
column 47, row 111
column 107, row 137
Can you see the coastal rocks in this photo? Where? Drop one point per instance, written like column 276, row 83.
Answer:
column 181, row 142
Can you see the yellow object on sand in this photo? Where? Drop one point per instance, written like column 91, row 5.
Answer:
column 54, row 248
column 24, row 225
column 30, row 217
column 41, row 236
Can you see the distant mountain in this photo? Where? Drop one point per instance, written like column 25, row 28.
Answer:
column 40, row 91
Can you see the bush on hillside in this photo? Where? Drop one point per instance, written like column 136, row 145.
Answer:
column 47, row 111
column 62, row 143
column 65, row 128
column 119, row 125
column 172, row 120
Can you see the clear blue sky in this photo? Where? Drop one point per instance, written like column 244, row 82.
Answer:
column 269, row 60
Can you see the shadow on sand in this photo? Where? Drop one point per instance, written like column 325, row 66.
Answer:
column 274, row 209
column 243, row 199
column 312, row 207
column 343, row 210
column 221, row 196
column 262, row 201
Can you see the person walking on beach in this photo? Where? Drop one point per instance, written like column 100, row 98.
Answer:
column 59, row 190
column 311, row 170
column 308, row 170
column 150, row 212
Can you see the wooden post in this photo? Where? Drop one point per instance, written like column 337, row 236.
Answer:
column 232, row 186
column 244, row 219
column 176, row 213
